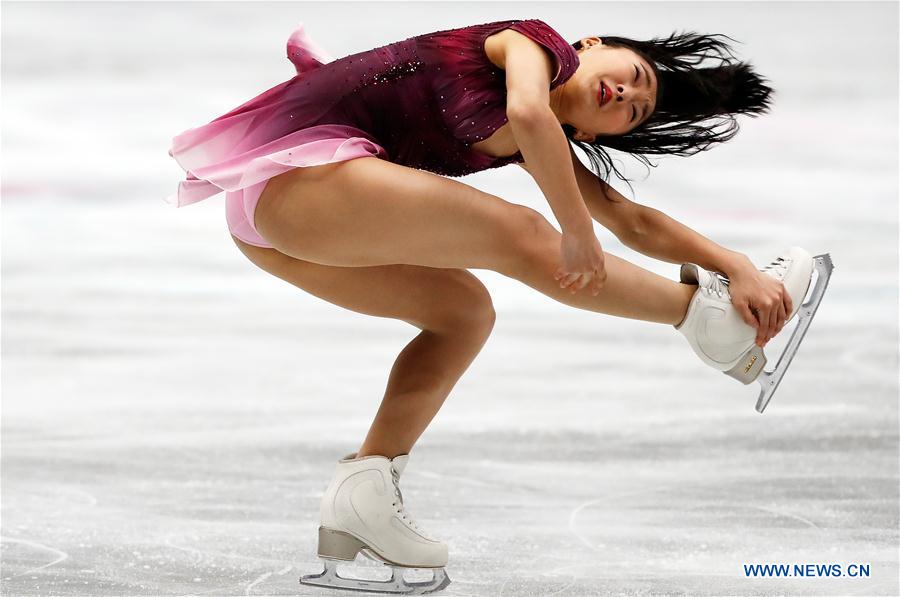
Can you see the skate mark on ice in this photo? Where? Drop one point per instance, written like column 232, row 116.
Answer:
column 256, row 581
column 480, row 482
column 613, row 496
column 263, row 577
column 783, row 514
column 572, row 529
column 201, row 553
column 572, row 580
column 205, row 553
column 505, row 582
column 61, row 555
column 226, row 590
column 90, row 497
column 195, row 552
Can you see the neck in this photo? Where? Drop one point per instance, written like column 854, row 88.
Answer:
column 558, row 104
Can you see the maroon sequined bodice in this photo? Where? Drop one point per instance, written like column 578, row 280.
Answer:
column 428, row 98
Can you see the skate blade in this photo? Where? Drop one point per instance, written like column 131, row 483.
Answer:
column 396, row 585
column 769, row 380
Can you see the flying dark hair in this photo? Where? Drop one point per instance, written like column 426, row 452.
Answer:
column 695, row 107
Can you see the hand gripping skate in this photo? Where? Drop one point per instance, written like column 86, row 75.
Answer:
column 720, row 337
column 362, row 512
column 769, row 380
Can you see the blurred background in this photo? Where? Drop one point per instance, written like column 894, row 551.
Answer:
column 171, row 414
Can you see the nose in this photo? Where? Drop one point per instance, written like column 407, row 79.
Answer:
column 620, row 93
column 626, row 92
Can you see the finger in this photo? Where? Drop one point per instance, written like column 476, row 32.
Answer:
column 786, row 300
column 763, row 316
column 782, row 316
column 561, row 275
column 565, row 280
column 597, row 282
column 766, row 319
column 773, row 324
column 747, row 315
column 572, row 286
column 760, row 325
column 577, row 284
column 584, row 280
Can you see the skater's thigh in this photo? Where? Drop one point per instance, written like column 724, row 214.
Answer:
column 436, row 299
column 369, row 211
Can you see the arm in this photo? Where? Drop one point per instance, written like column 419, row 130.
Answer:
column 653, row 233
column 537, row 130
column 649, row 231
column 543, row 145
column 666, row 239
column 576, row 194
column 613, row 211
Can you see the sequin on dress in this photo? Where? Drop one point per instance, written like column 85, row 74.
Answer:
column 421, row 102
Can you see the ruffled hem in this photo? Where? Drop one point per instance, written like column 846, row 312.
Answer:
column 312, row 146
column 237, row 149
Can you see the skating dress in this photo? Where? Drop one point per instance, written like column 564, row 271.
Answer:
column 421, row 102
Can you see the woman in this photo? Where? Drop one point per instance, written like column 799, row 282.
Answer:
column 336, row 183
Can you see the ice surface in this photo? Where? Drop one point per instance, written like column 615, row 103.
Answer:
column 171, row 413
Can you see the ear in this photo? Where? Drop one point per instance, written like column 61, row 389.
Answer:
column 587, row 42
column 584, row 137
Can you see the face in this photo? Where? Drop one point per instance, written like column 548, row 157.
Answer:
column 629, row 95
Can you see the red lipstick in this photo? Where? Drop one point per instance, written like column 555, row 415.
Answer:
column 604, row 94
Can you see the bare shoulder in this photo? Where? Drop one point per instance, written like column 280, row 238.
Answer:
column 495, row 46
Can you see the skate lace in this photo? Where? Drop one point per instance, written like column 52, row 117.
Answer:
column 401, row 509
column 718, row 284
column 779, row 267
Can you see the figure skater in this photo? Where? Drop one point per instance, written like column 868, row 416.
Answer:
column 337, row 182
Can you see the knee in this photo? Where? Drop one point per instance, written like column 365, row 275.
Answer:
column 468, row 309
column 482, row 315
column 535, row 241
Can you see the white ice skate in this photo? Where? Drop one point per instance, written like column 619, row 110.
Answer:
column 721, row 338
column 362, row 511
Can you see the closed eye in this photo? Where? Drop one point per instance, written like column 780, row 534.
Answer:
column 637, row 75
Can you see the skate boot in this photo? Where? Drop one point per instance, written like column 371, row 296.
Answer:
column 721, row 338
column 362, row 511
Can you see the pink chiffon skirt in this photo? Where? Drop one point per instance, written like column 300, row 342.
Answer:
column 240, row 151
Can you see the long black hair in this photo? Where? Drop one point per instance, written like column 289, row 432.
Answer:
column 695, row 107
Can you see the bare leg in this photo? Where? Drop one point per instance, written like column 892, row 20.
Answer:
column 421, row 379
column 370, row 212
column 630, row 291
column 430, row 366
column 452, row 308
column 382, row 239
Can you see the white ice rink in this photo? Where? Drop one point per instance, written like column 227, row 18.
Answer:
column 171, row 414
